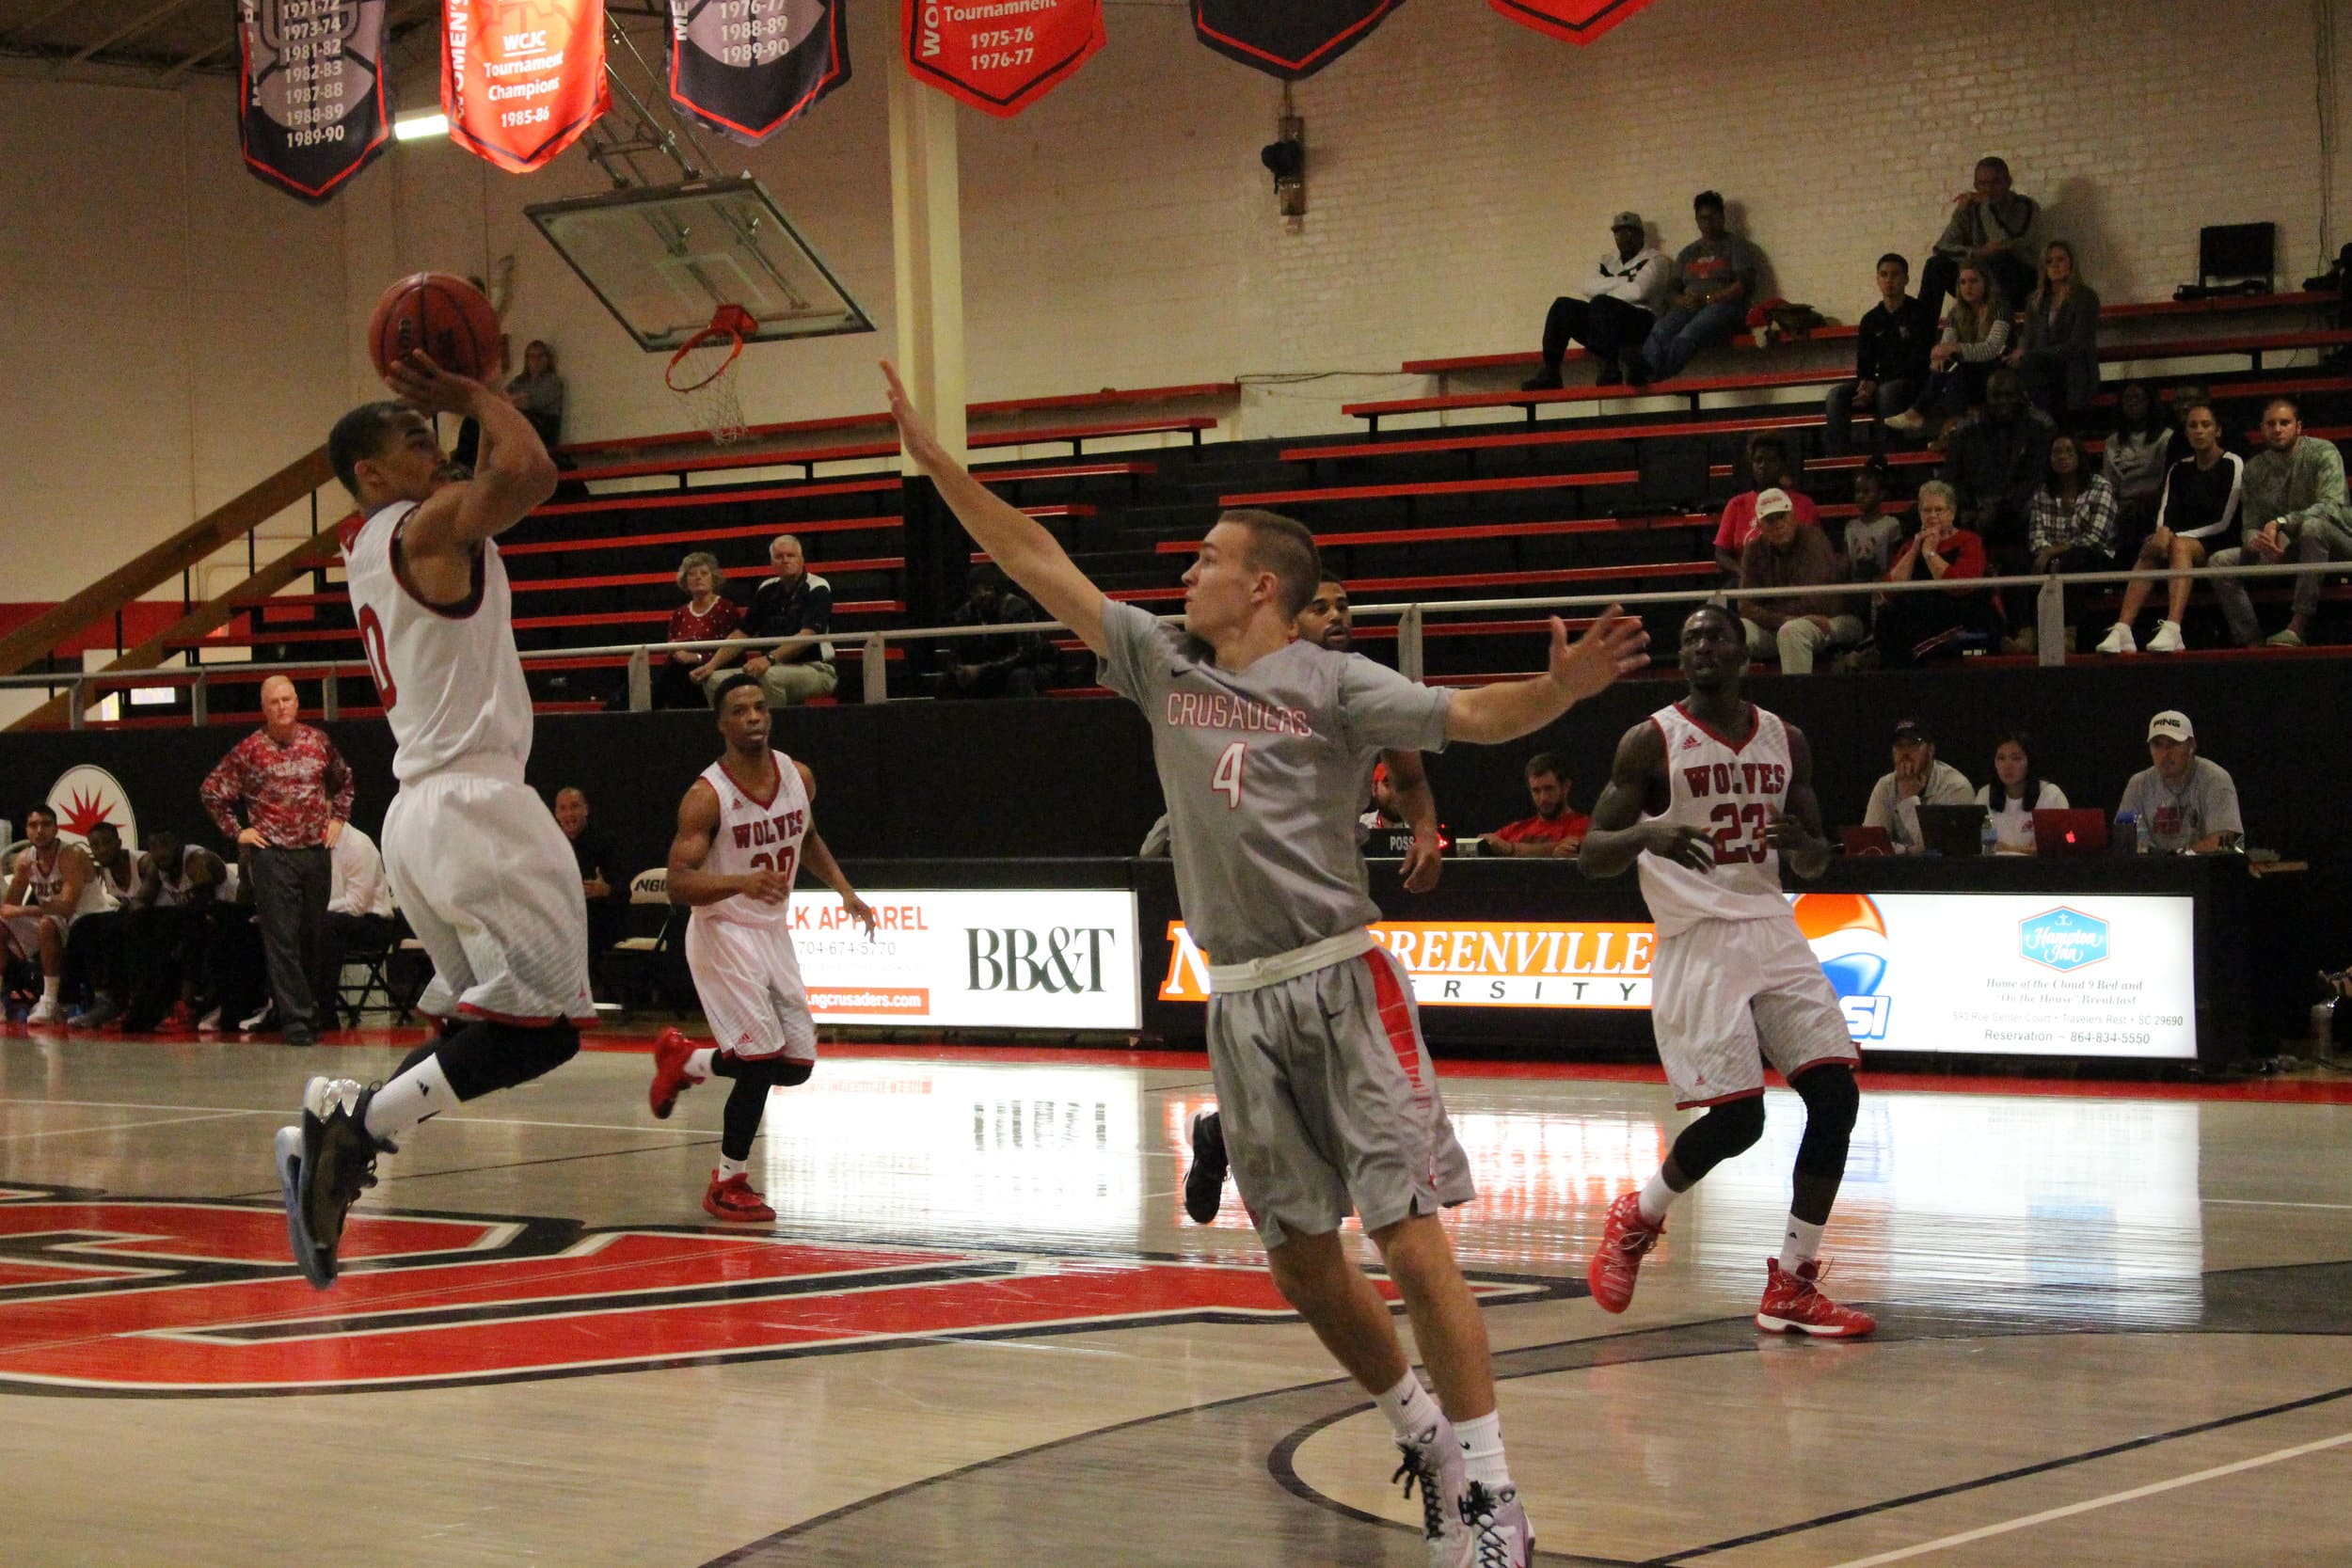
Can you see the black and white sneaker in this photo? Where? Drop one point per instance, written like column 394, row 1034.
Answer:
column 323, row 1167
column 1205, row 1184
column 1433, row 1464
column 1498, row 1532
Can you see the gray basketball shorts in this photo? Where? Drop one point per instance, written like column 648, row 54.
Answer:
column 1330, row 1102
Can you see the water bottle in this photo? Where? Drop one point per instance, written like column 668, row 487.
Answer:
column 1992, row 838
column 2127, row 834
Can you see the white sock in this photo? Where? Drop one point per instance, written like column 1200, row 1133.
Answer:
column 1657, row 1198
column 1409, row 1407
column 1800, row 1245
column 422, row 1091
column 49, row 987
column 729, row 1169
column 698, row 1065
column 1482, row 1450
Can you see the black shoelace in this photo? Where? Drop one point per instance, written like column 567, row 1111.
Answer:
column 1417, row 1467
column 1479, row 1509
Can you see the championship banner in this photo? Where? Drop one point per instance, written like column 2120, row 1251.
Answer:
column 521, row 82
column 999, row 56
column 310, row 99
column 1577, row 21
column 1289, row 39
column 746, row 68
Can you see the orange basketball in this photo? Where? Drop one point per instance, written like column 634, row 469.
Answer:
column 444, row 316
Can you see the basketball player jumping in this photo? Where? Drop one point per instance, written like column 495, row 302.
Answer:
column 485, row 875
column 1706, row 796
column 745, row 830
column 1328, row 1095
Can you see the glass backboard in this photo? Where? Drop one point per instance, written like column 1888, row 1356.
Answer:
column 664, row 259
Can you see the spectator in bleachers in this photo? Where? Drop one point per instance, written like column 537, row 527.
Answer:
column 2138, row 452
column 1714, row 281
column 2015, row 794
column 791, row 613
column 706, row 614
column 2293, row 508
column 2070, row 521
column 1769, row 470
column 603, row 880
column 1554, row 829
column 2060, row 354
column 94, row 953
column 52, row 885
column 537, row 392
column 297, row 792
column 1890, row 359
column 1919, row 624
column 1995, row 461
column 1916, row 780
column 1619, row 306
column 1009, row 664
column 1991, row 225
column 1962, row 364
column 2198, row 505
column 361, row 914
column 1785, row 553
column 2189, row 803
column 1872, row 533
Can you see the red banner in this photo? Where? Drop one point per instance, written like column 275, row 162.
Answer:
column 745, row 68
column 1289, row 38
column 1577, row 21
column 311, row 110
column 999, row 56
column 521, row 79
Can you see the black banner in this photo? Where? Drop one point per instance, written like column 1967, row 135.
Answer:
column 310, row 106
column 748, row 68
column 1289, row 39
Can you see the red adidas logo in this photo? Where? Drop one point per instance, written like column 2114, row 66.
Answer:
column 1689, row 743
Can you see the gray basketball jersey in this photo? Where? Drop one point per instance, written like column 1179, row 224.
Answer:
column 1264, row 772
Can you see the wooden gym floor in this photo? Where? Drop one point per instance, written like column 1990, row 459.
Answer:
column 2116, row 1329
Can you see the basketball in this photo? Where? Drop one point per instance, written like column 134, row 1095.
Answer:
column 443, row 314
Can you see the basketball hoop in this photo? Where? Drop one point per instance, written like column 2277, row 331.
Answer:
column 703, row 372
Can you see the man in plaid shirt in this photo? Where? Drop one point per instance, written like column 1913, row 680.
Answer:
column 297, row 792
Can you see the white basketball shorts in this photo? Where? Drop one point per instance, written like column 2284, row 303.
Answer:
column 1727, row 996
column 749, row 980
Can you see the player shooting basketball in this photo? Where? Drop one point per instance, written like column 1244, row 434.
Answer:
column 1329, row 1096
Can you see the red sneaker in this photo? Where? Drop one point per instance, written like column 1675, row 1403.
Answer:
column 180, row 1020
column 732, row 1199
column 1617, row 1261
column 670, row 1050
column 1793, row 1303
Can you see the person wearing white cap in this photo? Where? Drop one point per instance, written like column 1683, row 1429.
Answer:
column 1619, row 306
column 2188, row 801
column 1785, row 553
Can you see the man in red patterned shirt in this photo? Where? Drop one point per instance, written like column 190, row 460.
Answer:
column 297, row 792
column 1554, row 829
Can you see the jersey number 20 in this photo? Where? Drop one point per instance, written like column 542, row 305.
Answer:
column 1749, row 822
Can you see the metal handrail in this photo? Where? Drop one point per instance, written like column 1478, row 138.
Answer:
column 871, row 646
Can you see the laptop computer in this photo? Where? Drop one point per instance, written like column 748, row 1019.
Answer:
column 2070, row 832
column 1956, row 832
column 1866, row 841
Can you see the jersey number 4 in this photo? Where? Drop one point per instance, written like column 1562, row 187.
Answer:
column 1747, row 822
column 379, row 663
column 1226, row 780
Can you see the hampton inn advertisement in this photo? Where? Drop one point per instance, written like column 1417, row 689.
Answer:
column 1991, row 974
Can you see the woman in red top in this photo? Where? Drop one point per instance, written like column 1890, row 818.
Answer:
column 706, row 614
column 1919, row 626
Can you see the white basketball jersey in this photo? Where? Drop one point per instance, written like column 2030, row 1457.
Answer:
column 1732, row 794
column 45, row 883
column 451, row 681
column 755, row 836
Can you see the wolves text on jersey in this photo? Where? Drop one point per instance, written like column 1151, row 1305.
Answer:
column 1737, row 778
column 770, row 829
column 1218, row 710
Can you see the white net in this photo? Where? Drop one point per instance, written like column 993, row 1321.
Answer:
column 704, row 373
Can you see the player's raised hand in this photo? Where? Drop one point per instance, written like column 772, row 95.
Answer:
column 1680, row 843
column 912, row 427
column 417, row 381
column 859, row 911
column 1616, row 644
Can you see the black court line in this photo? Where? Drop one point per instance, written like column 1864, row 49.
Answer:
column 262, row 1193
column 2000, row 1478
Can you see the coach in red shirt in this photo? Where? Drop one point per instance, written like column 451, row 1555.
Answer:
column 1554, row 829
column 296, row 793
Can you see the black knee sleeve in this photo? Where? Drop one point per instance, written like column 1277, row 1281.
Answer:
column 1832, row 1100
column 748, row 1100
column 1731, row 1127
column 487, row 1055
column 774, row 1072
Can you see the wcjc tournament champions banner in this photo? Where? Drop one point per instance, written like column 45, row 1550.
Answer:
column 519, row 83
column 310, row 110
column 748, row 68
column 1291, row 39
column 999, row 56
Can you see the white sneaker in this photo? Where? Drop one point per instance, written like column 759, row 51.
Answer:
column 209, row 1022
column 2119, row 639
column 1500, row 1536
column 1433, row 1462
column 2168, row 639
column 247, row 1025
column 46, row 1010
